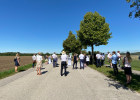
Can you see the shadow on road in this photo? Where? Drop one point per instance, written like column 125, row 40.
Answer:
column 44, row 72
column 111, row 82
column 57, row 65
column 22, row 70
column 67, row 72
column 121, row 78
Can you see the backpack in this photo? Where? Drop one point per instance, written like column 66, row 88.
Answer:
column 123, row 67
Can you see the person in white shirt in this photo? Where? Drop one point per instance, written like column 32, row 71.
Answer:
column 34, row 60
column 81, row 57
column 119, row 57
column 87, row 60
column 54, row 56
column 63, row 63
column 69, row 60
column 39, row 63
column 102, row 59
column 98, row 57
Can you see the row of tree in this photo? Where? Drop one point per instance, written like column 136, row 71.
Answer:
column 94, row 31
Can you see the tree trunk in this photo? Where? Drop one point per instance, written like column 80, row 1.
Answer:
column 92, row 54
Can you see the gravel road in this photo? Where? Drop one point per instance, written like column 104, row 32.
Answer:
column 86, row 84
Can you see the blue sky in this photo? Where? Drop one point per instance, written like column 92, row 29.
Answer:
column 42, row 25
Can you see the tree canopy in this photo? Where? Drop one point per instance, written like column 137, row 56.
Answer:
column 94, row 30
column 135, row 4
column 72, row 44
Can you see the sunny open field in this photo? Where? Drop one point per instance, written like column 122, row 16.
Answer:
column 134, row 57
column 7, row 62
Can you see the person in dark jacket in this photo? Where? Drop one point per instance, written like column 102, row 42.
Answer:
column 75, row 61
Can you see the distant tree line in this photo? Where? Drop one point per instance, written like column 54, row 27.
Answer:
column 135, row 53
column 21, row 54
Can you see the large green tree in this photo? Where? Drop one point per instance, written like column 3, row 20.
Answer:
column 94, row 30
column 72, row 44
column 135, row 4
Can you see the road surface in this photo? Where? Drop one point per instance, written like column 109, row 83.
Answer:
column 79, row 84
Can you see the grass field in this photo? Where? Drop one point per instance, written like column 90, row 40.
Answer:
column 7, row 62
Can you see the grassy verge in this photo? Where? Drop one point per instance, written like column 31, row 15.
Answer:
column 135, row 85
column 10, row 72
column 135, row 64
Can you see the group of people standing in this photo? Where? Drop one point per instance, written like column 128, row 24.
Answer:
column 83, row 58
column 100, row 58
column 115, row 58
column 37, row 59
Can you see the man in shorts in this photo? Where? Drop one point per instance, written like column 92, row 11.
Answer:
column 39, row 63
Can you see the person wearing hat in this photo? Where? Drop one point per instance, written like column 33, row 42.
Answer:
column 63, row 63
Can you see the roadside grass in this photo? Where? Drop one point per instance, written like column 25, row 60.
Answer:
column 135, row 64
column 121, row 78
column 10, row 72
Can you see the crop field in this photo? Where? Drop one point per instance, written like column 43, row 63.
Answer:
column 7, row 62
column 134, row 57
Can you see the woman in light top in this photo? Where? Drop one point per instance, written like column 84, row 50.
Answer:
column 17, row 62
column 127, row 67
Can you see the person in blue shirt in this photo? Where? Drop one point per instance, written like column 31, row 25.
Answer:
column 114, row 59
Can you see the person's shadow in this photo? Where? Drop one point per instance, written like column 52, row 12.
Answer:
column 57, row 65
column 67, row 72
column 44, row 72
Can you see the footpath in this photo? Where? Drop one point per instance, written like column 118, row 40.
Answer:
column 87, row 84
